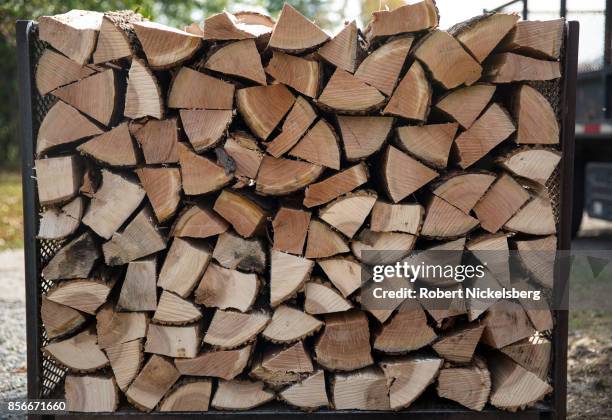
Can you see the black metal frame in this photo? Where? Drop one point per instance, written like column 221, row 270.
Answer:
column 554, row 410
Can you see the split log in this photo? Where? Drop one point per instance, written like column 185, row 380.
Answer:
column 443, row 220
column 535, row 118
column 163, row 188
column 454, row 67
column 299, row 119
column 539, row 312
column 363, row 136
column 234, row 252
column 116, row 36
column 538, row 258
column 112, row 204
column 226, row 26
column 164, row 46
column 74, row 260
column 323, row 241
column 413, row 17
column 464, row 190
column 284, row 176
column 465, row 105
column 533, row 353
column 348, row 212
column 319, row 146
column 205, row 127
column 245, row 216
column 184, row 266
column 289, row 324
column 230, row 329
column 540, row 39
column 115, row 147
column 193, row 89
column 223, row 288
column 536, row 165
column 406, row 218
column 341, row 51
column 404, row 175
column 290, row 227
column 430, row 143
column 154, row 380
column 407, row 330
column 59, row 223
column 361, row 390
column 263, row 107
column 188, row 396
column 492, row 128
column 85, row 295
column 341, row 183
column 344, row 273
column 321, row 298
column 74, row 34
column 279, row 366
column 308, row 394
column 173, row 341
column 345, row 93
column 91, row 393
column 481, row 34
column 412, row 97
column 55, row 70
column 458, row 346
column 198, row 222
column 91, row 180
column 125, row 360
column 119, row 327
column 79, row 353
column 295, row 33
column 174, row 310
column 58, row 179
column 535, row 218
column 159, row 141
column 505, row 323
column 239, row 59
column 373, row 248
column 288, row 274
column 500, row 203
column 470, row 386
column 510, row 67
column 493, row 250
column 59, row 320
column 246, row 154
column 138, row 291
column 299, row 73
column 408, row 377
column 225, row 364
column 344, row 343
column 200, row 175
column 143, row 97
column 240, row 395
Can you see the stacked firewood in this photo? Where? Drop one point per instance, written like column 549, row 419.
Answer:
column 214, row 189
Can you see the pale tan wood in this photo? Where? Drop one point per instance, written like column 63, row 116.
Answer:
column 465, row 104
column 226, row 26
column 414, row 17
column 205, row 128
column 195, row 29
column 290, row 227
column 278, row 366
column 464, row 190
column 470, row 385
column 408, row 377
column 308, row 394
column 443, row 220
column 115, row 37
column 138, row 291
column 412, row 97
column 323, row 241
column 193, row 89
column 115, row 147
column 154, row 380
column 184, row 265
column 74, row 34
column 506, row 322
column 459, row 345
column 500, row 203
column 234, row 252
column 246, row 154
column 74, row 260
column 275, row 379
column 61, row 222
column 493, row 250
column 172, row 340
column 59, row 320
column 279, row 176
column 342, row 49
column 481, row 34
column 174, row 310
column 535, row 218
column 347, row 213
column 341, row 183
column 430, row 143
column 295, row 125
column 84, row 295
column 163, row 188
column 407, row 330
column 319, row 146
column 240, row 395
column 188, row 396
column 115, row 327
column 538, row 258
column 198, row 221
column 445, row 253
column 363, row 136
column 55, row 70
column 361, row 390
column 288, row 273
column 258, row 24
column 140, row 238
column 344, row 343
column 542, row 39
column 295, row 33
column 125, row 360
column 493, row 127
column 239, row 58
column 343, row 272
column 536, row 165
column 200, row 175
column 535, row 118
column 58, row 179
column 406, row 218
column 80, row 353
column 344, row 93
column 225, row 364
column 224, row 288
column 230, row 329
column 289, row 324
column 382, row 67
column 299, row 73
column 263, row 107
column 539, row 312
column 532, row 353
column 404, row 175
column 510, row 67
column 143, row 97
column 165, row 46
column 91, row 393
column 513, row 387
column 245, row 215
column 90, row 180
column 382, row 247
column 321, row 298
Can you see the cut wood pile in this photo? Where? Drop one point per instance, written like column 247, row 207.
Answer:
column 215, row 189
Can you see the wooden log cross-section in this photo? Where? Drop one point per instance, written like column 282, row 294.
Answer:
column 215, row 199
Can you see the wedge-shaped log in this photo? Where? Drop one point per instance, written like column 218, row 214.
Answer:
column 342, row 49
column 298, row 120
column 80, row 353
column 200, row 175
column 143, row 97
column 163, row 188
column 91, row 393
column 85, row 295
column 225, row 364
column 205, row 127
column 510, row 67
column 538, row 258
column 164, row 46
column 279, row 366
column 59, row 223
column 344, row 93
column 138, row 291
column 363, row 136
column 465, row 104
column 152, row 383
column 404, row 175
column 541, row 39
column 407, row 330
column 224, row 288
column 348, row 212
column 494, row 250
column 125, row 360
column 430, row 143
column 412, row 97
column 406, row 218
column 59, row 320
column 295, row 33
column 288, row 274
column 283, row 176
column 361, row 390
column 240, row 395
column 458, row 346
column 319, row 146
column 535, row 118
column 55, row 70
column 321, row 298
column 505, row 323
column 344, row 273
column 183, row 267
column 536, row 165
column 193, row 89
column 299, row 73
column 246, row 154
column 172, row 340
column 408, row 377
column 535, row 218
column 245, row 215
column 115, row 147
column 374, row 248
column 58, row 179
column 174, row 310
column 470, row 386
column 75, row 260
column 114, row 39
column 414, row 17
column 443, row 220
column 240, row 59
column 341, row 183
column 226, row 26
column 481, row 34
column 289, row 324
column 323, row 241
column 158, row 140
column 230, row 329
column 198, row 221
column 115, row 327
column 234, row 252
column 188, row 396
column 532, row 353
column 263, row 107
column 290, row 227
column 500, row 203
column 308, row 394
column 464, row 190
